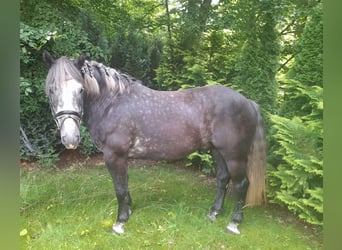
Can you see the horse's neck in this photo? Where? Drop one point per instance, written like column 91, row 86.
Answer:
column 95, row 106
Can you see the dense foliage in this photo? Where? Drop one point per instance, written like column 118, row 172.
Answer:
column 296, row 178
column 271, row 51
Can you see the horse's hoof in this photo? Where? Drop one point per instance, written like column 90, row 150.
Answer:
column 212, row 216
column 233, row 228
column 118, row 228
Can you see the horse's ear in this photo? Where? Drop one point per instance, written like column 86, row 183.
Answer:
column 47, row 58
column 80, row 61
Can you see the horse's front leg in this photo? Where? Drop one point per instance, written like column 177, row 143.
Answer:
column 118, row 168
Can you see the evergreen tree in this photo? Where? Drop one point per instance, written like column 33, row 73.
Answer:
column 258, row 63
column 307, row 69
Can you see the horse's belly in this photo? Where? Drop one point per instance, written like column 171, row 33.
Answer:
column 161, row 150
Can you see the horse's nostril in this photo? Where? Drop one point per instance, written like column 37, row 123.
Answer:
column 70, row 146
column 70, row 142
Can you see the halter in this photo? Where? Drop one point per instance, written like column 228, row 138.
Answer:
column 64, row 114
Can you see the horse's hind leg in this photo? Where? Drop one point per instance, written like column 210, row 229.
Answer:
column 222, row 179
column 237, row 168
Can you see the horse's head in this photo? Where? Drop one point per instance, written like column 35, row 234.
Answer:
column 64, row 89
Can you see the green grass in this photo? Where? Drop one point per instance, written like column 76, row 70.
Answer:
column 74, row 208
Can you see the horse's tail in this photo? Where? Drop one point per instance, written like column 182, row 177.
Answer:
column 256, row 167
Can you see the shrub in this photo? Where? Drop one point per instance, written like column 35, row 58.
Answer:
column 201, row 160
column 86, row 147
column 297, row 181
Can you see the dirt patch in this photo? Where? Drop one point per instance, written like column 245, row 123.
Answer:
column 74, row 158
column 66, row 159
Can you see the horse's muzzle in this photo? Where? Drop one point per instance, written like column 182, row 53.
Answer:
column 70, row 145
column 70, row 133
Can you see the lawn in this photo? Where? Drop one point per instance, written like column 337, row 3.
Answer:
column 74, row 208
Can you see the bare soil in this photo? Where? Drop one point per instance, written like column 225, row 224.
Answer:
column 74, row 158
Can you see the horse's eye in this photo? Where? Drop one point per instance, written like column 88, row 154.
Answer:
column 81, row 90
